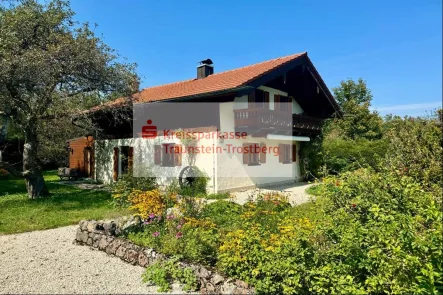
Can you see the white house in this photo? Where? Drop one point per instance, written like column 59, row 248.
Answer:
column 247, row 124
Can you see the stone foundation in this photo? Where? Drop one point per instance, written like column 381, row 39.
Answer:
column 102, row 236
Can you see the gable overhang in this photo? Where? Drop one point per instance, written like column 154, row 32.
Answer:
column 302, row 61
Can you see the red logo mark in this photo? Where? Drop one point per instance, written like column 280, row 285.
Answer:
column 149, row 131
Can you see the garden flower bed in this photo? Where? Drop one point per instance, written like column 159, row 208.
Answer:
column 368, row 233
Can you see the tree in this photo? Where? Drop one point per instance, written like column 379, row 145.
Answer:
column 48, row 62
column 355, row 99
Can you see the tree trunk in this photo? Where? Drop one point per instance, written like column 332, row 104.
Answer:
column 35, row 183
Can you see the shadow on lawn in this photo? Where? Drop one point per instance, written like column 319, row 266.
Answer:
column 66, row 205
column 64, row 197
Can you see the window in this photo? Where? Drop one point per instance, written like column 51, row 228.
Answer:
column 287, row 153
column 168, row 155
column 258, row 99
column 254, row 154
column 282, row 103
column 123, row 158
column 126, row 159
column 263, row 153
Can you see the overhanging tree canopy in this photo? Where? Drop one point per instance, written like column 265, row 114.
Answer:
column 47, row 63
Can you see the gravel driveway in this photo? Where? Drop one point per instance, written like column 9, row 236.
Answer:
column 48, row 262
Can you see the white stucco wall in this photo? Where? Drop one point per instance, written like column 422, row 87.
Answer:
column 144, row 159
column 225, row 169
column 232, row 173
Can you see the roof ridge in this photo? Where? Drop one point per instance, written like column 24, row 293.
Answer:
column 231, row 70
column 262, row 62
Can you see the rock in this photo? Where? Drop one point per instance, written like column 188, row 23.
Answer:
column 217, row 279
column 103, row 243
column 84, row 225
column 203, row 272
column 143, row 259
column 133, row 222
column 78, row 234
column 95, row 240
column 228, row 287
column 113, row 246
column 241, row 284
column 121, row 251
column 208, row 289
column 89, row 242
column 91, row 226
column 83, row 237
column 99, row 227
column 109, row 228
column 241, row 291
column 131, row 256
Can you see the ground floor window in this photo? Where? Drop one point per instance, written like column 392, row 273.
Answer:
column 123, row 160
column 287, row 153
column 254, row 154
column 168, row 155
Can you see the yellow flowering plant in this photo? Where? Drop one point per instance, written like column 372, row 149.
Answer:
column 145, row 203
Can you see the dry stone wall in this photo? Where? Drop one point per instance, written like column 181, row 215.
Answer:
column 103, row 236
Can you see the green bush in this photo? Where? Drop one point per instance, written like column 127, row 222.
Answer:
column 128, row 183
column 415, row 149
column 198, row 186
column 342, row 155
column 224, row 214
column 194, row 239
column 381, row 234
column 165, row 272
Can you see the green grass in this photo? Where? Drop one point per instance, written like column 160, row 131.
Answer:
column 65, row 206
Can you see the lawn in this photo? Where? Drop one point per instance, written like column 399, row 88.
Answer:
column 67, row 205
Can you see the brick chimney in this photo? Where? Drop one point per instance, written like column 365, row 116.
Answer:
column 205, row 68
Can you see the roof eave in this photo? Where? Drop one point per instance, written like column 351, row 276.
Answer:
column 237, row 90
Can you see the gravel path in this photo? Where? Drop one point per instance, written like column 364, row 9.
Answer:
column 48, row 262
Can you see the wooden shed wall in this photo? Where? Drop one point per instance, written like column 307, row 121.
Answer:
column 77, row 153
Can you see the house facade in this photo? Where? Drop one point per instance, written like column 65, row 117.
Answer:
column 242, row 128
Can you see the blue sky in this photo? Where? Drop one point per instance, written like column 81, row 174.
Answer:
column 396, row 46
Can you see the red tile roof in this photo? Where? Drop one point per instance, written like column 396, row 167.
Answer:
column 216, row 82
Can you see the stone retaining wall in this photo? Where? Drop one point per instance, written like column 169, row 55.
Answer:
column 102, row 235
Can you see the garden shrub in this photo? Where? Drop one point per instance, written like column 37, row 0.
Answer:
column 198, row 185
column 195, row 239
column 273, row 261
column 163, row 273
column 342, row 155
column 224, row 214
column 415, row 149
column 381, row 234
column 127, row 183
column 217, row 196
column 150, row 203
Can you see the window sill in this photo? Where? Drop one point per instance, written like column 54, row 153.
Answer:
column 254, row 164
